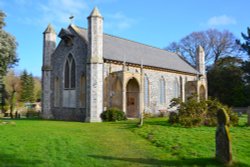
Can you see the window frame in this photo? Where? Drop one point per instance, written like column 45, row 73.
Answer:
column 70, row 73
column 162, row 88
column 146, row 90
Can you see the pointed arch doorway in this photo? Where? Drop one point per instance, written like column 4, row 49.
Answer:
column 132, row 94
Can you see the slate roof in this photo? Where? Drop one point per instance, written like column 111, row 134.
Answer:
column 120, row 49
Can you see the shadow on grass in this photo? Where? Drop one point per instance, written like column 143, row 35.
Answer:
column 131, row 124
column 159, row 122
column 128, row 124
column 185, row 162
column 13, row 160
column 15, row 119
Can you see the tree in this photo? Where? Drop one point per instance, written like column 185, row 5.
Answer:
column 8, row 46
column 225, row 81
column 216, row 44
column 27, row 87
column 12, row 88
column 246, row 65
column 37, row 88
column 7, row 54
column 245, row 46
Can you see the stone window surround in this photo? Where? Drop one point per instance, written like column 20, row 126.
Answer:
column 69, row 87
column 177, row 88
column 146, row 90
column 162, row 90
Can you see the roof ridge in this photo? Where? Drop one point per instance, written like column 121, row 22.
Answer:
column 132, row 41
column 175, row 57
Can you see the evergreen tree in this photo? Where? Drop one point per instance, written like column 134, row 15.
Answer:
column 27, row 87
column 245, row 46
column 32, row 88
column 246, row 65
column 225, row 82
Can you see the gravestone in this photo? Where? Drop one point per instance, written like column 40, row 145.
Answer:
column 223, row 139
column 248, row 113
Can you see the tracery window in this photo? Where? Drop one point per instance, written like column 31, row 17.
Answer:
column 82, row 91
column 162, row 91
column 176, row 89
column 70, row 73
column 56, row 92
column 146, row 91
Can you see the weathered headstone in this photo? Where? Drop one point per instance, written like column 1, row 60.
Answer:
column 223, row 139
column 248, row 113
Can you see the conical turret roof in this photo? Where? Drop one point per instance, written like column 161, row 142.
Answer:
column 200, row 48
column 95, row 13
column 49, row 29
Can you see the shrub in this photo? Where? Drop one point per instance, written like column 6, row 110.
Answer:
column 147, row 115
column 234, row 118
column 31, row 113
column 190, row 113
column 211, row 116
column 162, row 113
column 194, row 113
column 113, row 114
column 173, row 117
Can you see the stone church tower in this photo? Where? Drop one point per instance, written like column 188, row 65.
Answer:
column 95, row 67
column 49, row 45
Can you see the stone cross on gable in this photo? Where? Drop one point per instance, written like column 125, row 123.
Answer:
column 71, row 18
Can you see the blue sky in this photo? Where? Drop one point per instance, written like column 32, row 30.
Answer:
column 153, row 22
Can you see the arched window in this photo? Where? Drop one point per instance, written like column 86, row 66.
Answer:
column 176, row 88
column 56, row 92
column 162, row 91
column 82, row 91
column 70, row 73
column 146, row 91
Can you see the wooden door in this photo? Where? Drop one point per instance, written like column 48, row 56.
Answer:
column 132, row 99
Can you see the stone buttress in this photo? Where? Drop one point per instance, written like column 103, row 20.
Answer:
column 49, row 45
column 95, row 67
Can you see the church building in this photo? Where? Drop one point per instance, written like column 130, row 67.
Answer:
column 90, row 71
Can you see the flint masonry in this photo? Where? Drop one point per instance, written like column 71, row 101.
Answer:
column 89, row 71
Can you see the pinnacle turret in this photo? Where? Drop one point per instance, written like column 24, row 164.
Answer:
column 49, row 29
column 95, row 13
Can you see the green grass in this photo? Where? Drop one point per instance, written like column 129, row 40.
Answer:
column 196, row 143
column 58, row 143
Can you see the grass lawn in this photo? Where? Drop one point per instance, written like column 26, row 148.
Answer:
column 58, row 143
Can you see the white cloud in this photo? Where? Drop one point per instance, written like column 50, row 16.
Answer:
column 221, row 20
column 118, row 21
column 57, row 12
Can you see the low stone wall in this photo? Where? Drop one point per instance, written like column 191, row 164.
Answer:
column 69, row 114
column 240, row 110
